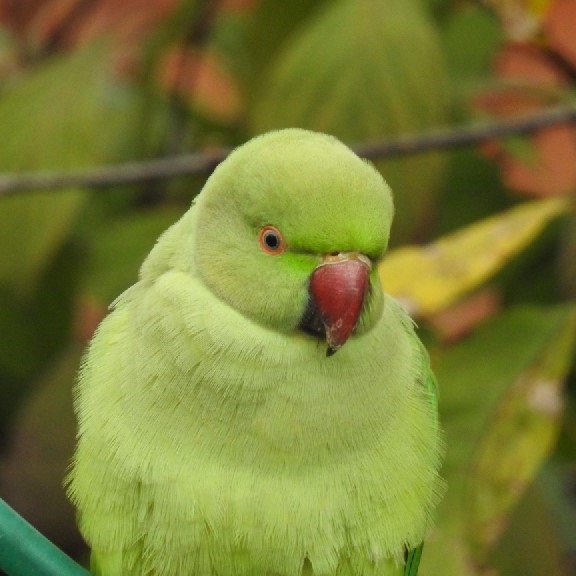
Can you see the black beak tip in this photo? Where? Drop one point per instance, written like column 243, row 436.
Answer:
column 330, row 351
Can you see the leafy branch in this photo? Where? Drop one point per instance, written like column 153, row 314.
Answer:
column 204, row 163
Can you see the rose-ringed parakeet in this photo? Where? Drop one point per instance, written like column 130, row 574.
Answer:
column 255, row 404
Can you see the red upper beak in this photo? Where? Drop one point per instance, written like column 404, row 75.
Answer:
column 338, row 287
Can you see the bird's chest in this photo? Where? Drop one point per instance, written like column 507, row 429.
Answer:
column 263, row 468
column 307, row 520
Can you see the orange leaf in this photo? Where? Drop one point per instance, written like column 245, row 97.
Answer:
column 524, row 66
column 129, row 19
column 89, row 313
column 69, row 23
column 554, row 169
column 454, row 323
column 559, row 27
column 202, row 79
column 525, row 62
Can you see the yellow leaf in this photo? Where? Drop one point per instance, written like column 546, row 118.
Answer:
column 428, row 278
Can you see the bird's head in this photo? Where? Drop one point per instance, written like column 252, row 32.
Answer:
column 290, row 229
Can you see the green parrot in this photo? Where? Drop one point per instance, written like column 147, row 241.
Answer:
column 256, row 404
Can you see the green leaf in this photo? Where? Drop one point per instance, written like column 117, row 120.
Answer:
column 471, row 35
column 30, row 343
column 271, row 24
column 522, row 149
column 36, row 329
column 118, row 250
column 446, row 554
column 474, row 190
column 524, row 430
column 556, row 487
column 61, row 115
column 532, row 545
column 567, row 268
column 32, row 227
column 364, row 70
column 500, row 401
column 18, row 346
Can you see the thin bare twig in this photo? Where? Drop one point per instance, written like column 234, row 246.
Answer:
column 204, row 163
column 447, row 138
column 113, row 175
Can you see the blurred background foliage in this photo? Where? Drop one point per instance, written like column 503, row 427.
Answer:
column 484, row 243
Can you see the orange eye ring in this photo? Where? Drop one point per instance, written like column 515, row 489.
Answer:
column 271, row 240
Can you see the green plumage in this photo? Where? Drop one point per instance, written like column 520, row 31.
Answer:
column 215, row 436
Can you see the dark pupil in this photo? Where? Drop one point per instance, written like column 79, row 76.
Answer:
column 272, row 240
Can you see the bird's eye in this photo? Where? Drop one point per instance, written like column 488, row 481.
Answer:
column 271, row 240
